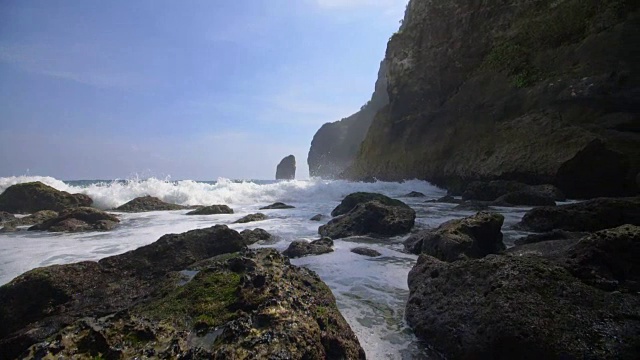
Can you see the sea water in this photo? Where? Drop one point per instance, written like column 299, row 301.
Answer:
column 371, row 293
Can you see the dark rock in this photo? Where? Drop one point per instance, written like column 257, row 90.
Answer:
column 524, row 198
column 491, row 190
column 550, row 249
column 79, row 219
column 473, row 205
column 277, row 205
column 591, row 215
column 35, row 196
column 35, row 218
column 212, row 210
column 365, row 251
column 300, row 248
column 371, row 218
column 449, row 199
column 251, row 218
column 549, row 236
column 415, row 194
column 120, row 306
column 286, row 169
column 352, row 200
column 147, row 203
column 9, row 227
column 472, row 237
column 5, row 216
column 255, row 235
column 549, row 191
column 317, row 217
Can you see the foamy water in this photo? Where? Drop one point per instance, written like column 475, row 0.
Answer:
column 371, row 292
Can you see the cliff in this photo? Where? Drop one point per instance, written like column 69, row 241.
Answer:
column 540, row 91
column 336, row 144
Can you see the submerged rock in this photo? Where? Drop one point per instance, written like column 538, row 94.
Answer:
column 286, row 169
column 251, row 304
column 35, row 196
column 79, row 219
column 365, row 251
column 491, row 190
column 592, row 215
column 301, row 248
column 251, row 218
column 472, row 237
column 277, row 205
column 211, row 210
column 5, row 216
column 147, row 203
column 415, row 194
column 352, row 200
column 255, row 235
column 524, row 198
column 449, row 199
column 317, row 217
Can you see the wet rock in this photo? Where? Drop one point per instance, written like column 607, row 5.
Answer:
column 524, row 198
column 317, row 217
column 300, row 248
column 251, row 304
column 79, row 219
column 473, row 205
column 549, row 191
column 255, row 235
column 9, row 227
column 491, row 190
column 35, row 196
column 211, row 210
column 591, row 215
column 147, row 203
column 5, row 216
column 352, row 200
column 251, row 218
column 286, row 169
column 415, row 194
column 371, row 218
column 277, row 205
column 549, row 236
column 365, row 251
column 472, row 237
column 449, row 199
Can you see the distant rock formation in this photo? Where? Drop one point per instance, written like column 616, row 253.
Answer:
column 336, row 144
column 286, row 170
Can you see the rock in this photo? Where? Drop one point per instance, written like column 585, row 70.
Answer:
column 592, row 215
column 549, row 236
column 335, row 145
column 255, row 235
column 473, row 205
column 317, row 217
column 300, row 248
column 5, row 216
column 549, row 191
column 9, row 227
column 446, row 199
column 372, row 218
column 35, row 196
column 251, row 218
column 472, row 237
column 524, row 198
column 147, row 203
column 79, row 219
column 286, row 169
column 140, row 303
column 277, row 205
column 211, row 210
column 491, row 190
column 365, row 251
column 35, row 218
column 518, row 307
column 415, row 194
column 352, row 200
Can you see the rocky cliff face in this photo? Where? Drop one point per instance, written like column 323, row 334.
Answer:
column 540, row 91
column 336, row 144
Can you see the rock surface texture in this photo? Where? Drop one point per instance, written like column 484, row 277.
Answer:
column 541, row 91
column 147, row 203
column 301, row 248
column 79, row 219
column 193, row 295
column 212, row 210
column 26, row 198
column 286, row 169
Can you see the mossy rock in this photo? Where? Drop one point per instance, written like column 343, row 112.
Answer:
column 35, row 196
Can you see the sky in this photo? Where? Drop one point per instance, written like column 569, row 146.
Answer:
column 181, row 89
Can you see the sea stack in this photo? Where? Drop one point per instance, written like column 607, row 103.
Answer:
column 286, row 170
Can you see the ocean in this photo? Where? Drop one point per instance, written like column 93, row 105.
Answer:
column 370, row 292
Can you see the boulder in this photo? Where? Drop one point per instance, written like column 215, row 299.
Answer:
column 35, row 196
column 524, row 198
column 472, row 237
column 286, row 169
column 373, row 218
column 317, row 217
column 491, row 190
column 5, row 216
column 449, row 199
column 352, row 200
column 415, row 194
column 79, row 219
column 251, row 218
column 211, row 210
column 147, row 203
column 549, row 236
column 473, row 205
column 300, row 248
column 255, row 235
column 549, row 191
column 164, row 301
column 365, row 251
column 591, row 215
column 35, row 218
column 277, row 205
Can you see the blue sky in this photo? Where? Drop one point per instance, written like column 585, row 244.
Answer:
column 187, row 89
